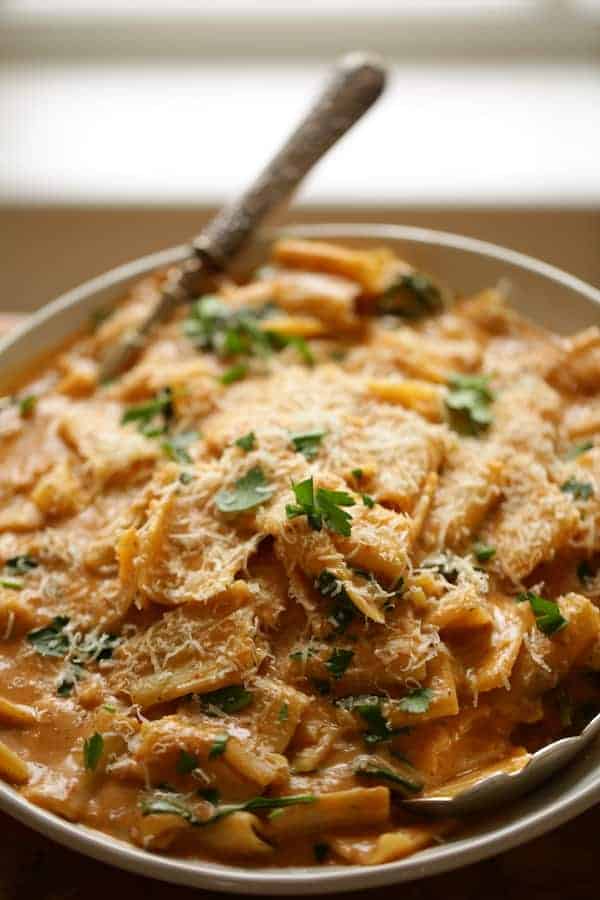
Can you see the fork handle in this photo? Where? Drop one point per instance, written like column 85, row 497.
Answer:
column 356, row 82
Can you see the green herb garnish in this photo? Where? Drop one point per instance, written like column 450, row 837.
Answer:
column 468, row 403
column 548, row 617
column 21, row 565
column 321, row 507
column 578, row 449
column 218, row 747
column 186, row 762
column 51, row 640
column 11, row 584
column 228, row 700
column 369, row 708
column 321, row 851
column 152, row 417
column 370, row 767
column 234, row 373
column 307, row 442
column 483, row 552
column 174, row 804
column 284, row 712
column 411, row 296
column 27, row 405
column 342, row 612
column 248, row 492
column 417, row 701
column 93, row 748
column 368, row 501
column 339, row 661
column 176, row 446
column 302, row 655
column 73, row 673
column 581, row 490
column 247, row 442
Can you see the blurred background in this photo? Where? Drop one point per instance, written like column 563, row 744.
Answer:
column 123, row 125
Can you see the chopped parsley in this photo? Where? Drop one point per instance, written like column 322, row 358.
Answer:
column 483, row 552
column 368, row 501
column 284, row 712
column 248, row 492
column 369, row 767
column 321, row 851
column 168, row 803
column 93, row 748
column 339, row 661
column 186, row 762
column 233, row 374
column 302, row 655
column 27, row 405
column 154, row 416
column 307, row 442
column 11, row 584
column 468, row 403
column 357, row 474
column 411, row 296
column 176, row 445
column 548, row 617
column 417, row 701
column 247, row 442
column 445, row 564
column 215, row 327
column 580, row 490
column 342, row 611
column 321, row 507
column 578, row 449
column 51, row 640
column 16, row 565
column 369, row 708
column 219, row 745
column 21, row 565
column 72, row 673
column 54, row 640
column 230, row 699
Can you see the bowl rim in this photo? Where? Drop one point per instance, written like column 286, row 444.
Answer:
column 326, row 231
column 299, row 880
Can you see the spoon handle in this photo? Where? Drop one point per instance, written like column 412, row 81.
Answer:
column 356, row 82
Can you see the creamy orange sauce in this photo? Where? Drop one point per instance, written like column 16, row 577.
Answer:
column 334, row 540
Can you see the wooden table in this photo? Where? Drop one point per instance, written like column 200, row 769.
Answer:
column 559, row 866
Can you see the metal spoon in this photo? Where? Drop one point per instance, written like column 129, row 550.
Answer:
column 502, row 787
column 357, row 82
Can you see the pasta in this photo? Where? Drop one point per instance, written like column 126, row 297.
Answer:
column 333, row 541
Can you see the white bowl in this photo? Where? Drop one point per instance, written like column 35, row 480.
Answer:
column 551, row 297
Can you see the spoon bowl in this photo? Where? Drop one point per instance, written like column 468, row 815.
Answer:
column 492, row 791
